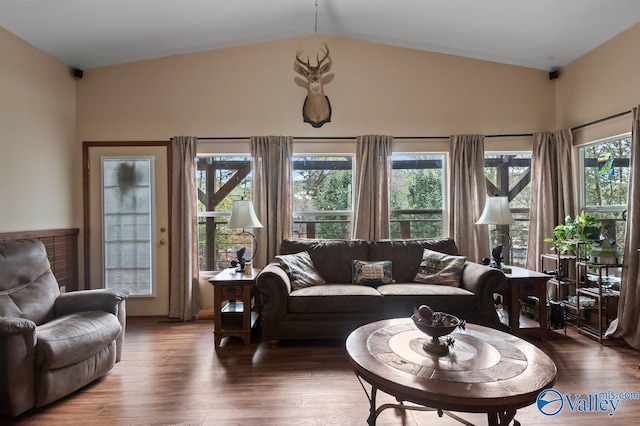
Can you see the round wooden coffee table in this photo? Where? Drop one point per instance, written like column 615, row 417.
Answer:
column 486, row 370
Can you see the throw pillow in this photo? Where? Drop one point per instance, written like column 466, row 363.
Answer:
column 440, row 268
column 373, row 273
column 300, row 269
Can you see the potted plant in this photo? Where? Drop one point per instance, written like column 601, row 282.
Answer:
column 583, row 229
column 589, row 226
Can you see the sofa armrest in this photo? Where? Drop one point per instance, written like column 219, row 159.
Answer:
column 273, row 285
column 17, row 365
column 484, row 281
column 108, row 300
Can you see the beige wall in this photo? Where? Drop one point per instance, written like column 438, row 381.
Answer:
column 39, row 156
column 250, row 90
column 599, row 84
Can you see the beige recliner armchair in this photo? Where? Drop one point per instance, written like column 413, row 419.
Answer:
column 51, row 344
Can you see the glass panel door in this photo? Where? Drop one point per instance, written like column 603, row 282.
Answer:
column 128, row 218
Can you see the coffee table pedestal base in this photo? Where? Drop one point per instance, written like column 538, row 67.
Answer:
column 503, row 418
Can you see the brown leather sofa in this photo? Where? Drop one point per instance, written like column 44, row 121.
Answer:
column 334, row 309
column 51, row 344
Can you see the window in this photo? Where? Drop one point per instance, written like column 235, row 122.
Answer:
column 509, row 175
column 322, row 196
column 605, row 169
column 417, row 196
column 220, row 180
column 128, row 219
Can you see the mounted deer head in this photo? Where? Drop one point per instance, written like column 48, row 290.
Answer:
column 316, row 109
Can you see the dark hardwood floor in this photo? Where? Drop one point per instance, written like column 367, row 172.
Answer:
column 171, row 374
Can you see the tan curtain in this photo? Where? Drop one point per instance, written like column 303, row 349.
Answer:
column 626, row 326
column 551, row 190
column 467, row 196
column 184, row 293
column 371, row 214
column 272, row 163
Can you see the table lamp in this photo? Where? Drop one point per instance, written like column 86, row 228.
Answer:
column 497, row 212
column 243, row 216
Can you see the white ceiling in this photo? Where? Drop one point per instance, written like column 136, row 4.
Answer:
column 544, row 34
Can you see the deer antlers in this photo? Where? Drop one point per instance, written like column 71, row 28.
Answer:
column 304, row 67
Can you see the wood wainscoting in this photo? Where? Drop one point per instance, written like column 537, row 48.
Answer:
column 62, row 250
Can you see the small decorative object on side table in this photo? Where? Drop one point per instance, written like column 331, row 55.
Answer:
column 232, row 301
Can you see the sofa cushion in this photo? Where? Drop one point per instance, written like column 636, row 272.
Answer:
column 406, row 255
column 440, row 268
column 372, row 272
column 300, row 269
column 335, row 298
column 75, row 337
column 400, row 299
column 332, row 258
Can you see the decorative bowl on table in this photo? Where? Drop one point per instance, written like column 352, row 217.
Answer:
column 440, row 324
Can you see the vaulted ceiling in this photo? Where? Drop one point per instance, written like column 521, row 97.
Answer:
column 543, row 34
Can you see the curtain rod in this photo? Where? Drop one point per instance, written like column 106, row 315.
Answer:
column 591, row 123
column 508, row 135
column 316, row 138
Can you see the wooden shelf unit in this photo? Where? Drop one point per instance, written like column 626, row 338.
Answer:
column 564, row 282
column 601, row 289
column 562, row 286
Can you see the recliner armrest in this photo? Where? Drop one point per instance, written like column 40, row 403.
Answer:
column 9, row 326
column 17, row 369
column 107, row 300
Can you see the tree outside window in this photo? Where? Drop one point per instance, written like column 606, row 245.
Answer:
column 417, row 196
column 322, row 196
column 605, row 171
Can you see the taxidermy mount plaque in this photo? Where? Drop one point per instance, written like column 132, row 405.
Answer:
column 316, row 109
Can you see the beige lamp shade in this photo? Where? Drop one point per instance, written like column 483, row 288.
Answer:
column 496, row 212
column 243, row 216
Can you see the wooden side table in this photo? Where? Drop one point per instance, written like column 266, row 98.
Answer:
column 232, row 300
column 524, row 282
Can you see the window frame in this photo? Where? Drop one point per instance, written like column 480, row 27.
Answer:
column 582, row 182
column 601, row 210
column 443, row 211
column 514, row 210
column 219, row 214
column 348, row 213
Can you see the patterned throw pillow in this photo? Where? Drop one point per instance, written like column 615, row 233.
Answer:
column 300, row 270
column 440, row 268
column 373, row 273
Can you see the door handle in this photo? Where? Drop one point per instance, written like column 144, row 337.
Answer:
column 163, row 242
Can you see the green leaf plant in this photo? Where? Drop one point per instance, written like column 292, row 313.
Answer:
column 583, row 231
